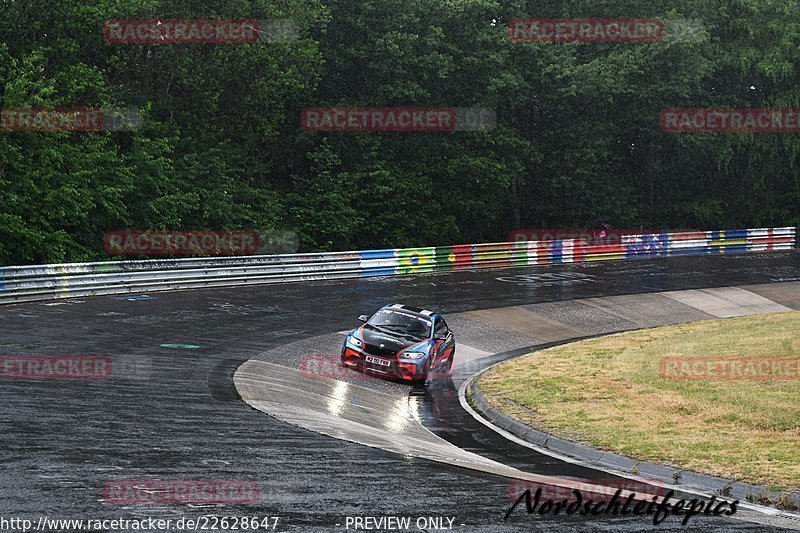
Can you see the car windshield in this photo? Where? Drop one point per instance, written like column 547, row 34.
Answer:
column 402, row 322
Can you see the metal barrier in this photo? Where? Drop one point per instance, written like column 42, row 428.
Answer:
column 46, row 282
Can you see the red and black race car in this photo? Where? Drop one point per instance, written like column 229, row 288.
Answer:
column 402, row 342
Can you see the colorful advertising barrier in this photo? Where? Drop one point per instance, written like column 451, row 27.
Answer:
column 45, row 282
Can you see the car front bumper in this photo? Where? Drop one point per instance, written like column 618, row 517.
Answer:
column 407, row 370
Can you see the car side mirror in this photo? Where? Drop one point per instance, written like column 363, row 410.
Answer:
column 363, row 318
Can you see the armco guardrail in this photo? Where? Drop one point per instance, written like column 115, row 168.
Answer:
column 45, row 282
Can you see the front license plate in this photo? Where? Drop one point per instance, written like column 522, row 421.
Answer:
column 375, row 360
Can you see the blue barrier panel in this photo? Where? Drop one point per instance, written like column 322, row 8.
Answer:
column 377, row 254
column 556, row 252
column 693, row 250
column 735, row 248
column 377, row 271
column 374, row 263
column 647, row 244
column 662, row 240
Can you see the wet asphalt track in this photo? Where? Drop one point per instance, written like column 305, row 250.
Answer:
column 171, row 413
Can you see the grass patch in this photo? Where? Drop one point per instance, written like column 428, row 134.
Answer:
column 608, row 393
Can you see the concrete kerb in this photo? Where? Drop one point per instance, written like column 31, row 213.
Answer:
column 615, row 464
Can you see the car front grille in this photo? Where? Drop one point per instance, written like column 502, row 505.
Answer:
column 377, row 351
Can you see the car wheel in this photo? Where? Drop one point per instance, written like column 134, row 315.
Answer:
column 449, row 364
column 421, row 381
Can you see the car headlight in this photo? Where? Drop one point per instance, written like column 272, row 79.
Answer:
column 412, row 355
column 354, row 342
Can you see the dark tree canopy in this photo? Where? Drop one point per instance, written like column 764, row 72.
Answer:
column 220, row 145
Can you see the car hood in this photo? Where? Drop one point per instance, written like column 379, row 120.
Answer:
column 392, row 342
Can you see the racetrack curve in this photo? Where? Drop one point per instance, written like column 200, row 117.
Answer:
column 172, row 413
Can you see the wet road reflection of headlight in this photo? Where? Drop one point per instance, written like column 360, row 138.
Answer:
column 338, row 397
column 415, row 408
column 399, row 416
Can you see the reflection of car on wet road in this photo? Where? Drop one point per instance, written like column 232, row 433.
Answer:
column 401, row 341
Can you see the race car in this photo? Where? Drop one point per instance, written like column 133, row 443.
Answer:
column 402, row 342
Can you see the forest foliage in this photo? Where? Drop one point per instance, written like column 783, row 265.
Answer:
column 220, row 145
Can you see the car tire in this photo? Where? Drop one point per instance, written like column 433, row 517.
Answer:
column 422, row 380
column 449, row 364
